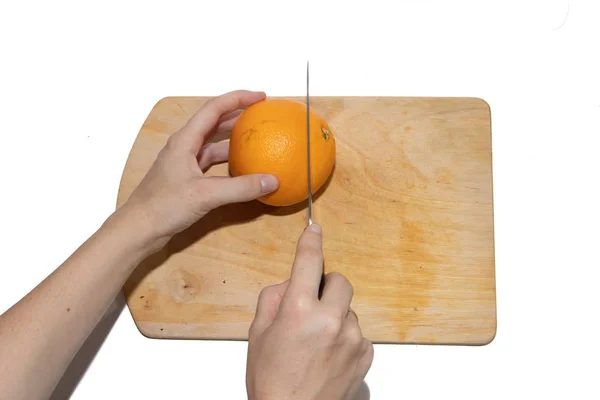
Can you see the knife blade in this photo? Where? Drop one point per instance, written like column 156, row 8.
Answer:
column 309, row 184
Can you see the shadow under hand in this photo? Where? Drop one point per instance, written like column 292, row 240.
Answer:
column 219, row 218
column 363, row 392
column 86, row 354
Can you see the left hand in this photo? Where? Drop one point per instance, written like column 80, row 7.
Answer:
column 175, row 193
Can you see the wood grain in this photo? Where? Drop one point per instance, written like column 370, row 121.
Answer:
column 407, row 216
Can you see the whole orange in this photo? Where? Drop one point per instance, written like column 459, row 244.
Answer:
column 270, row 137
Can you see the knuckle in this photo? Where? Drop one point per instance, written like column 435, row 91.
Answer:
column 171, row 143
column 337, row 276
column 251, row 184
column 369, row 353
column 355, row 337
column 212, row 107
column 208, row 153
column 162, row 163
column 264, row 295
column 301, row 304
column 163, row 155
column 340, row 280
column 268, row 293
column 332, row 325
column 169, row 151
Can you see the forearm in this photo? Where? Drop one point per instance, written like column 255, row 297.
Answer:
column 40, row 335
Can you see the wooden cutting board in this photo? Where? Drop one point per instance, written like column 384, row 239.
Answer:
column 407, row 216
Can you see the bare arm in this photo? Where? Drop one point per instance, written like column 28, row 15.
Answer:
column 40, row 334
column 326, row 357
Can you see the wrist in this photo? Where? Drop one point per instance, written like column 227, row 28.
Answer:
column 137, row 227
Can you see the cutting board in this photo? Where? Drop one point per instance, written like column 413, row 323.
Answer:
column 407, row 217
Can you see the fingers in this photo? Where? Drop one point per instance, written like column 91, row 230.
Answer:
column 231, row 116
column 351, row 331
column 213, row 153
column 194, row 133
column 337, row 292
column 226, row 124
column 217, row 151
column 308, row 264
column 363, row 348
column 365, row 362
column 228, row 120
column 352, row 318
column 218, row 191
column 267, row 307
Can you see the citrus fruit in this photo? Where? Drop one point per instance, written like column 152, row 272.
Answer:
column 269, row 137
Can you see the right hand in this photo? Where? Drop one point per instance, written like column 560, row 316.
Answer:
column 303, row 347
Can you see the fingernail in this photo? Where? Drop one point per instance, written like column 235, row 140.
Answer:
column 268, row 183
column 316, row 228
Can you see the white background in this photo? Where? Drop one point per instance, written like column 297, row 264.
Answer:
column 77, row 81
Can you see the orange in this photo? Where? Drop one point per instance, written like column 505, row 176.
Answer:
column 270, row 137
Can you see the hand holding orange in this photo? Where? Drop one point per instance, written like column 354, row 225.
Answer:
column 270, row 137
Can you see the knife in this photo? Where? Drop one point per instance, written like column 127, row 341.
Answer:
column 308, row 147
column 309, row 184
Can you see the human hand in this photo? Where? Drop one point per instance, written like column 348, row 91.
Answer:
column 303, row 347
column 175, row 193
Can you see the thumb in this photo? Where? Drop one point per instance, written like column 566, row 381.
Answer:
column 221, row 191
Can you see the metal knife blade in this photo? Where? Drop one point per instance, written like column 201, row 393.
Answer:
column 308, row 146
column 309, row 184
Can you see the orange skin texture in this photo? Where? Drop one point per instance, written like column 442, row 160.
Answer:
column 270, row 137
